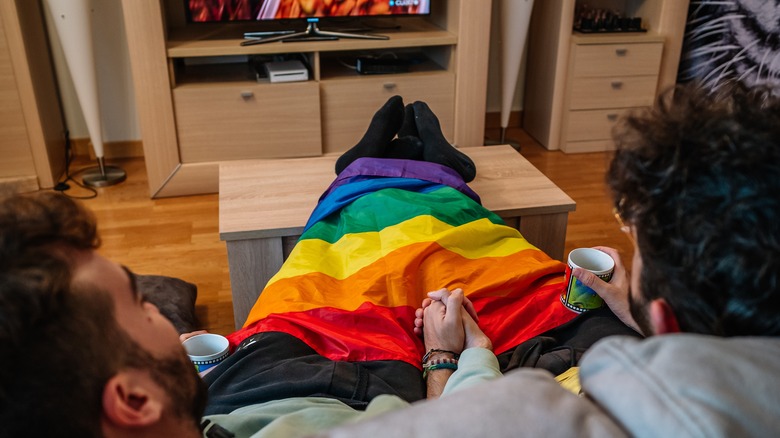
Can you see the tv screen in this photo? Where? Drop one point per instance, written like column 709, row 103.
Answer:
column 210, row 11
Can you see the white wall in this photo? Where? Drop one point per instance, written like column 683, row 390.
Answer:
column 115, row 82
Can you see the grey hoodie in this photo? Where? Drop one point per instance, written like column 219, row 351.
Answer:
column 673, row 385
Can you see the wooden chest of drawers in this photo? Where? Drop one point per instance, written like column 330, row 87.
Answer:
column 347, row 104
column 607, row 76
column 238, row 121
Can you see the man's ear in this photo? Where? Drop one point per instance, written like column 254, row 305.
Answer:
column 132, row 399
column 662, row 317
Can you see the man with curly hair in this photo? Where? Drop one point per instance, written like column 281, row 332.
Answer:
column 696, row 184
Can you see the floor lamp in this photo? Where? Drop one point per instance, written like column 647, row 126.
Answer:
column 515, row 20
column 74, row 28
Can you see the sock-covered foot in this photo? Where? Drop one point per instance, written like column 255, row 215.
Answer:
column 409, row 126
column 383, row 127
column 436, row 148
column 408, row 148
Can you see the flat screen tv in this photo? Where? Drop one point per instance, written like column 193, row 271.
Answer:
column 215, row 11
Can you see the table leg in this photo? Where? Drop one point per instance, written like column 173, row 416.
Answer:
column 252, row 263
column 547, row 232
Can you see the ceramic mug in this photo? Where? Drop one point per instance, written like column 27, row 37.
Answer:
column 577, row 296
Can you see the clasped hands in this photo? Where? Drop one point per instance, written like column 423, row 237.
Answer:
column 447, row 320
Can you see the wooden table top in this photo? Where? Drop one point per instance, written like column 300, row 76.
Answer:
column 272, row 198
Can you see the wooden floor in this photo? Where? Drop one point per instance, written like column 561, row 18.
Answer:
column 179, row 237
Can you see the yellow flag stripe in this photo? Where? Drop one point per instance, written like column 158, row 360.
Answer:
column 354, row 252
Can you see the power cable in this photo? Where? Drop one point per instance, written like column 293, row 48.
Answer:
column 63, row 186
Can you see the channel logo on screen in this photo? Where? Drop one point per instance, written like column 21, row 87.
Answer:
column 404, row 2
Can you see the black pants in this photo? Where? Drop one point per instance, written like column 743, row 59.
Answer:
column 274, row 366
column 561, row 348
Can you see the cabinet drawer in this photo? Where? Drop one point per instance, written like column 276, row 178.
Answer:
column 218, row 122
column 617, row 59
column 612, row 92
column 348, row 104
column 592, row 125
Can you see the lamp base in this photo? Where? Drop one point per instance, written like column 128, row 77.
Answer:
column 110, row 176
column 503, row 140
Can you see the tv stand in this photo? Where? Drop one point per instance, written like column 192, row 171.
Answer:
column 201, row 103
column 312, row 32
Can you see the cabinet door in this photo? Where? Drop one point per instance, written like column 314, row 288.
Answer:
column 218, row 122
column 14, row 144
column 349, row 104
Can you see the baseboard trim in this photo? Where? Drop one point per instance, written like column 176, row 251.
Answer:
column 493, row 120
column 82, row 147
column 18, row 184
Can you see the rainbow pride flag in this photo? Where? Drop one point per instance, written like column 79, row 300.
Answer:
column 384, row 234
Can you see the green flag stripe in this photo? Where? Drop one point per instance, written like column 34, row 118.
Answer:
column 395, row 206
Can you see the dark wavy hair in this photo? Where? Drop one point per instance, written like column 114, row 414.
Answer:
column 698, row 176
column 53, row 335
column 45, row 331
column 59, row 342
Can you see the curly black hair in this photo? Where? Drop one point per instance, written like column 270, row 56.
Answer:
column 698, row 176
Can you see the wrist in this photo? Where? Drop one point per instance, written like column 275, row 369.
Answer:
column 480, row 343
column 444, row 355
column 439, row 354
column 449, row 365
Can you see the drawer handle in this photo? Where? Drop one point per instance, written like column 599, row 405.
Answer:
column 389, row 85
column 621, row 52
column 612, row 117
column 616, row 85
column 246, row 95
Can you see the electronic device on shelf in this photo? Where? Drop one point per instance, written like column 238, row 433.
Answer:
column 288, row 21
column 286, row 71
column 367, row 65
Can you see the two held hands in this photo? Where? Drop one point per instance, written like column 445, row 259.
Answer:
column 447, row 320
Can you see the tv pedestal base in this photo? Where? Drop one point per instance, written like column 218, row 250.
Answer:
column 312, row 32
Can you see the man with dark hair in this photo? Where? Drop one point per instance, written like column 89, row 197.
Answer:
column 695, row 183
column 82, row 353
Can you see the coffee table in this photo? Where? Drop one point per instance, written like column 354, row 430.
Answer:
column 264, row 205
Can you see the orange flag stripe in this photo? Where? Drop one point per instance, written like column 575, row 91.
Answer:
column 413, row 271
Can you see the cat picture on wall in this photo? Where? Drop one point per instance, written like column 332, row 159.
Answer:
column 737, row 40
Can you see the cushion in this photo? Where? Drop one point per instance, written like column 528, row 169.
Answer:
column 174, row 297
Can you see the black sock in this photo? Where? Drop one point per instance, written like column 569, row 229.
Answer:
column 436, row 148
column 384, row 125
column 408, row 148
column 409, row 127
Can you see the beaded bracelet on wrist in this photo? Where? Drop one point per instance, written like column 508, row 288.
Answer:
column 436, row 350
column 440, row 361
column 439, row 366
